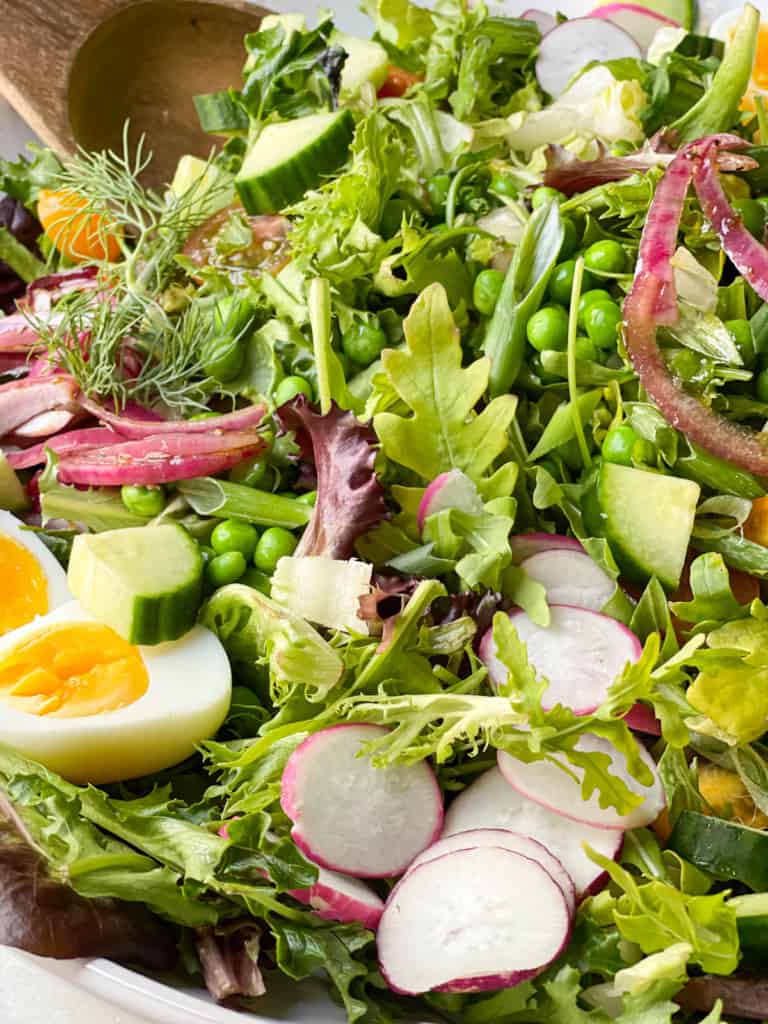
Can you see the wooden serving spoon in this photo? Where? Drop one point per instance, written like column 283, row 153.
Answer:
column 76, row 70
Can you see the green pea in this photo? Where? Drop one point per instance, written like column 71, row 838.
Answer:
column 561, row 282
column 548, row 329
column 761, row 386
column 486, row 291
column 274, row 544
column 437, row 190
column 504, row 185
column 618, row 445
column 589, row 298
column 763, row 200
column 309, row 498
column 223, row 358
column 257, row 581
column 570, row 239
column 364, row 343
column 601, row 321
column 752, row 214
column 543, row 195
column 289, row 387
column 585, row 350
column 143, row 501
column 226, row 568
column 742, row 335
column 233, row 535
column 606, row 257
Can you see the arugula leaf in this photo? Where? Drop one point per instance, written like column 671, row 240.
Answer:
column 655, row 915
column 713, row 599
column 681, row 783
column 443, row 431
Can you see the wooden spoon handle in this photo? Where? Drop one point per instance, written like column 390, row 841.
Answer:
column 41, row 38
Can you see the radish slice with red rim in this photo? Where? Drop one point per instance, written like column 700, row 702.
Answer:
column 471, row 921
column 572, row 45
column 580, row 653
column 336, row 897
column 570, row 577
column 558, row 791
column 490, row 802
column 527, row 544
column 507, row 840
column 640, row 22
column 351, row 817
column 641, row 718
column 449, row 490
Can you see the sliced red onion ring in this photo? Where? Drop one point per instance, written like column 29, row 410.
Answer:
column 136, row 428
column 653, row 301
column 63, row 444
column 159, row 460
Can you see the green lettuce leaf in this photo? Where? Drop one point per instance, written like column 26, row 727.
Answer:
column 443, row 431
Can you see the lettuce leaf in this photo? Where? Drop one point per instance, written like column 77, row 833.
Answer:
column 443, row 431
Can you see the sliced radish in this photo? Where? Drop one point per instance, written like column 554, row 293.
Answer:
column 351, row 817
column 581, row 652
column 570, row 577
column 490, row 802
column 513, row 841
column 471, row 921
column 545, row 21
column 642, row 719
column 527, row 544
column 640, row 22
column 551, row 787
column 449, row 490
column 336, row 897
column 572, row 45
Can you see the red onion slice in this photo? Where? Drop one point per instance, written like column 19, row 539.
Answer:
column 137, row 428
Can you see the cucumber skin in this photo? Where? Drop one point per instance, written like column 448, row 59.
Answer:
column 158, row 620
column 729, row 851
column 272, row 191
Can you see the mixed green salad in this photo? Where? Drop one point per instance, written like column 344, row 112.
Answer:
column 386, row 526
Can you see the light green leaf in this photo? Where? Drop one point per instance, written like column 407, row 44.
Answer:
column 443, row 431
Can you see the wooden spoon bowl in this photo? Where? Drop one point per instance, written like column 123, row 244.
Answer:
column 77, row 71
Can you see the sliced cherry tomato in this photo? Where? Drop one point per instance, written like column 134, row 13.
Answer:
column 78, row 235
column 398, row 82
column 266, row 250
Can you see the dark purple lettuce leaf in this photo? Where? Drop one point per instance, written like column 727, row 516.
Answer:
column 569, row 174
column 44, row 916
column 480, row 607
column 350, row 498
column 25, row 229
column 744, row 995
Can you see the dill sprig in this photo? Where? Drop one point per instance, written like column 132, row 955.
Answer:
column 101, row 336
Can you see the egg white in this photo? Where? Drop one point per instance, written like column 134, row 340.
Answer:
column 190, row 684
column 55, row 576
column 723, row 25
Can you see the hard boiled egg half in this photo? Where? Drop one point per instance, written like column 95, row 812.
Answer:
column 724, row 27
column 31, row 580
column 85, row 703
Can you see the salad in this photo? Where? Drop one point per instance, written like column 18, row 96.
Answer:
column 385, row 525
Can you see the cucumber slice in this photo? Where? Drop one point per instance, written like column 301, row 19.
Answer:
column 290, row 157
column 647, row 519
column 752, row 922
column 13, row 497
column 220, row 114
column 724, row 849
column 145, row 582
column 367, row 61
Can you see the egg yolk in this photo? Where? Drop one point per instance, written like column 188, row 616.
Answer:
column 72, row 671
column 23, row 586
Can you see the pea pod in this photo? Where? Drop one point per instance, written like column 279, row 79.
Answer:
column 521, row 295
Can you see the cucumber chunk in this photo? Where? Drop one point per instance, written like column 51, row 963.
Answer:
column 725, row 849
column 145, row 582
column 367, row 61
column 220, row 114
column 207, row 187
column 752, row 922
column 290, row 157
column 13, row 497
column 647, row 519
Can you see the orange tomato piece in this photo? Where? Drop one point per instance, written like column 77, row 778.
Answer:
column 398, row 82
column 77, row 234
column 756, row 526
